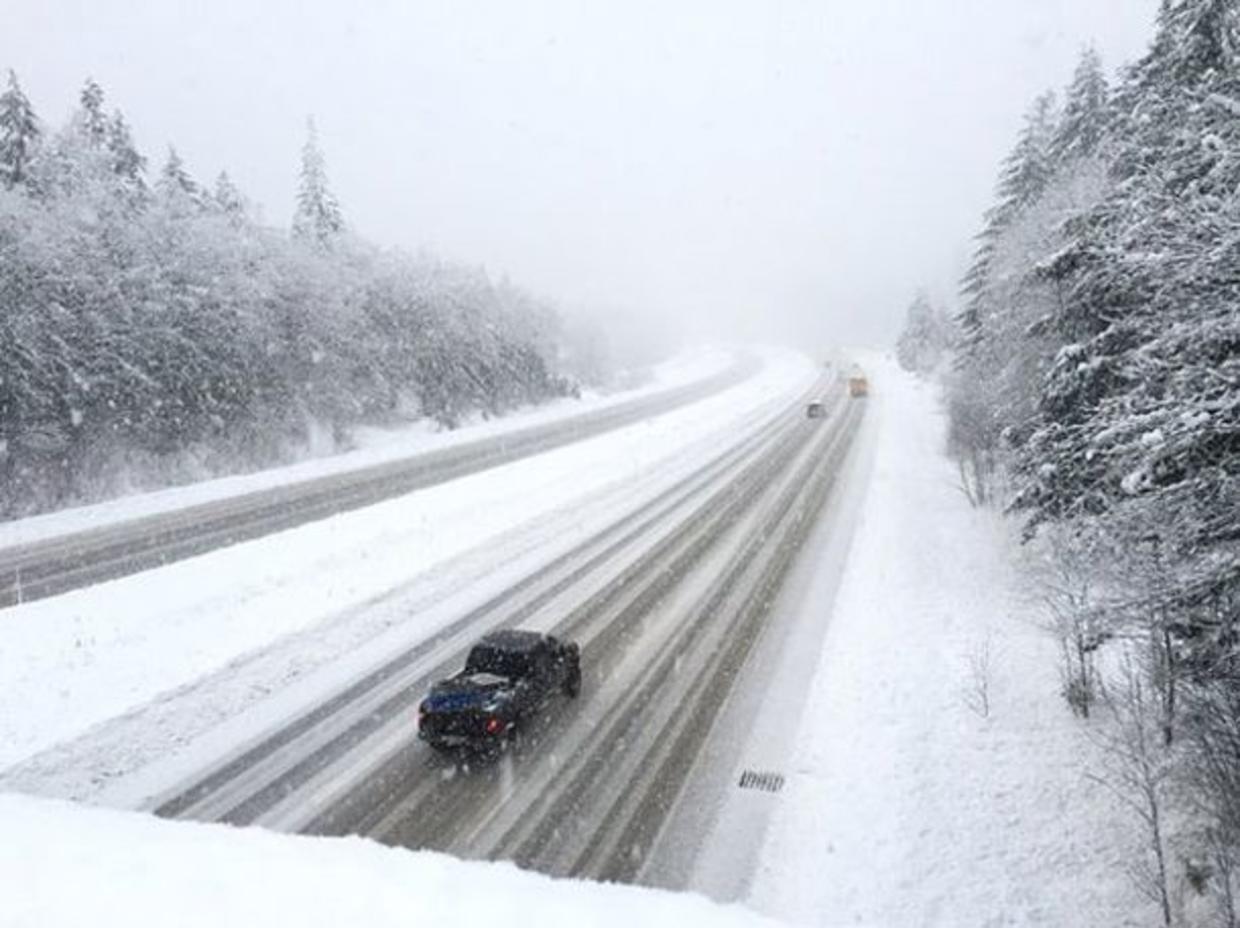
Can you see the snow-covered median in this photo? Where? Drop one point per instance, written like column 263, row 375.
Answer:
column 907, row 803
column 64, row 865
column 375, row 446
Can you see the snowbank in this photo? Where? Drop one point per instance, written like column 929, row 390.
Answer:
column 906, row 805
column 70, row 865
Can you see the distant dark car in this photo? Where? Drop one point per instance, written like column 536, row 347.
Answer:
column 508, row 676
column 815, row 411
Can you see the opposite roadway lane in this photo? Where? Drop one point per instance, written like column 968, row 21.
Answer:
column 47, row 567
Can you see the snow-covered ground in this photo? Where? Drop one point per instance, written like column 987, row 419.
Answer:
column 903, row 805
column 374, row 446
column 323, row 596
column 64, row 865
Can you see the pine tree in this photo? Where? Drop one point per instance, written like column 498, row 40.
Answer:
column 165, row 323
column 317, row 219
column 1130, row 409
column 91, row 119
column 126, row 162
column 1195, row 50
column 19, row 134
column 1023, row 178
column 228, row 197
column 926, row 336
column 1197, row 41
column 173, row 175
column 1029, row 167
column 1084, row 120
column 974, row 285
column 176, row 185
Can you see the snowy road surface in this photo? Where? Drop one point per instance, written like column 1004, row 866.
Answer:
column 663, row 570
column 65, row 551
column 665, row 606
column 145, row 671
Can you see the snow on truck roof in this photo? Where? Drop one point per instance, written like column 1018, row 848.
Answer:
column 512, row 639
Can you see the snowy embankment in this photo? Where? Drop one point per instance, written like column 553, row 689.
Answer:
column 906, row 804
column 70, row 865
column 279, row 620
column 375, row 446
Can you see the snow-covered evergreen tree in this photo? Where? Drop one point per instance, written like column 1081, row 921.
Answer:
column 19, row 134
column 1150, row 294
column 1085, row 113
column 92, row 121
column 1023, row 177
column 1029, row 167
column 174, row 179
column 317, row 219
column 147, row 334
column 926, row 337
column 228, row 197
column 127, row 163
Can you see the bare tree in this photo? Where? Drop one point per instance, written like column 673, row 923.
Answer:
column 977, row 689
column 1154, row 610
column 1067, row 583
column 972, row 439
column 1137, row 767
column 1221, row 874
column 1212, row 761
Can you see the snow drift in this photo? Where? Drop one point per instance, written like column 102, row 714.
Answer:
column 77, row 866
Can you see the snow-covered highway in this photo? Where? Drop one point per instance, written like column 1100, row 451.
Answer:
column 163, row 668
column 665, row 604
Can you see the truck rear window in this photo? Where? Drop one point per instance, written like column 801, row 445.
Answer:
column 497, row 661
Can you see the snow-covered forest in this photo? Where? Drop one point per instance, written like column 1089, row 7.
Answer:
column 1096, row 394
column 153, row 329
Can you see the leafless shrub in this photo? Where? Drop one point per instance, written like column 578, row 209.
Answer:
column 973, row 435
column 1209, row 873
column 977, row 689
column 1137, row 769
column 1221, row 853
column 1067, row 588
column 1211, row 750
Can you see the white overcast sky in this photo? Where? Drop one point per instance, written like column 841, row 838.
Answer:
column 743, row 167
